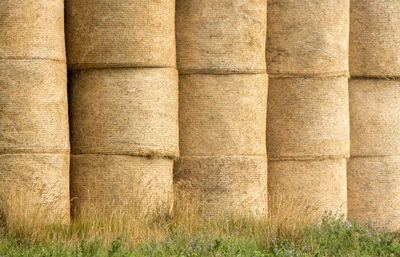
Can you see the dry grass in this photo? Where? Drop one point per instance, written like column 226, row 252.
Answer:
column 24, row 220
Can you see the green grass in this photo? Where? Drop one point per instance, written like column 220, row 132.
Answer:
column 331, row 237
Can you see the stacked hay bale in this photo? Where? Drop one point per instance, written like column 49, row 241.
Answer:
column 123, row 102
column 34, row 138
column 222, row 113
column 374, row 167
column 308, row 123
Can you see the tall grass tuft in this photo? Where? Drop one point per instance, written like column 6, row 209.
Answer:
column 24, row 220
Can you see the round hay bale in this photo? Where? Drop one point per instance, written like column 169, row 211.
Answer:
column 122, row 182
column 33, row 106
column 222, row 114
column 375, row 38
column 308, row 117
column 222, row 185
column 374, row 117
column 373, row 190
column 319, row 184
column 120, row 33
column 308, row 37
column 35, row 187
column 125, row 111
column 221, row 36
column 32, row 29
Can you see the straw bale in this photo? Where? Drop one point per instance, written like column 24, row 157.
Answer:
column 37, row 185
column 320, row 184
column 32, row 29
column 223, row 114
column 374, row 117
column 308, row 37
column 223, row 36
column 125, row 111
column 375, row 38
column 373, row 190
column 120, row 33
column 33, row 106
column 223, row 185
column 124, row 182
column 308, row 118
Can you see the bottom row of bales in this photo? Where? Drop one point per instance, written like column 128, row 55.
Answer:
column 123, row 154
column 146, row 131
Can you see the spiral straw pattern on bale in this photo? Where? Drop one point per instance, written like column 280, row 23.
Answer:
column 123, row 103
column 308, row 122
column 34, row 137
column 222, row 106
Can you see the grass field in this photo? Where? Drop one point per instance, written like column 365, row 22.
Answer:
column 289, row 232
column 333, row 237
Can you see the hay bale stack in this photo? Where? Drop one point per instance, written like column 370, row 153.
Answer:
column 308, row 123
column 34, row 137
column 123, row 103
column 222, row 106
column 222, row 129
column 374, row 166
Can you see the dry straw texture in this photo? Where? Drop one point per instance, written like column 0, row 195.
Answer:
column 33, row 100
column 223, row 185
column 320, row 184
column 374, row 117
column 113, row 181
column 34, row 136
column 120, row 33
column 32, row 29
column 308, row 118
column 42, row 181
column 308, row 111
column 221, row 36
column 375, row 38
column 124, row 111
column 308, row 37
column 373, row 190
column 222, row 114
